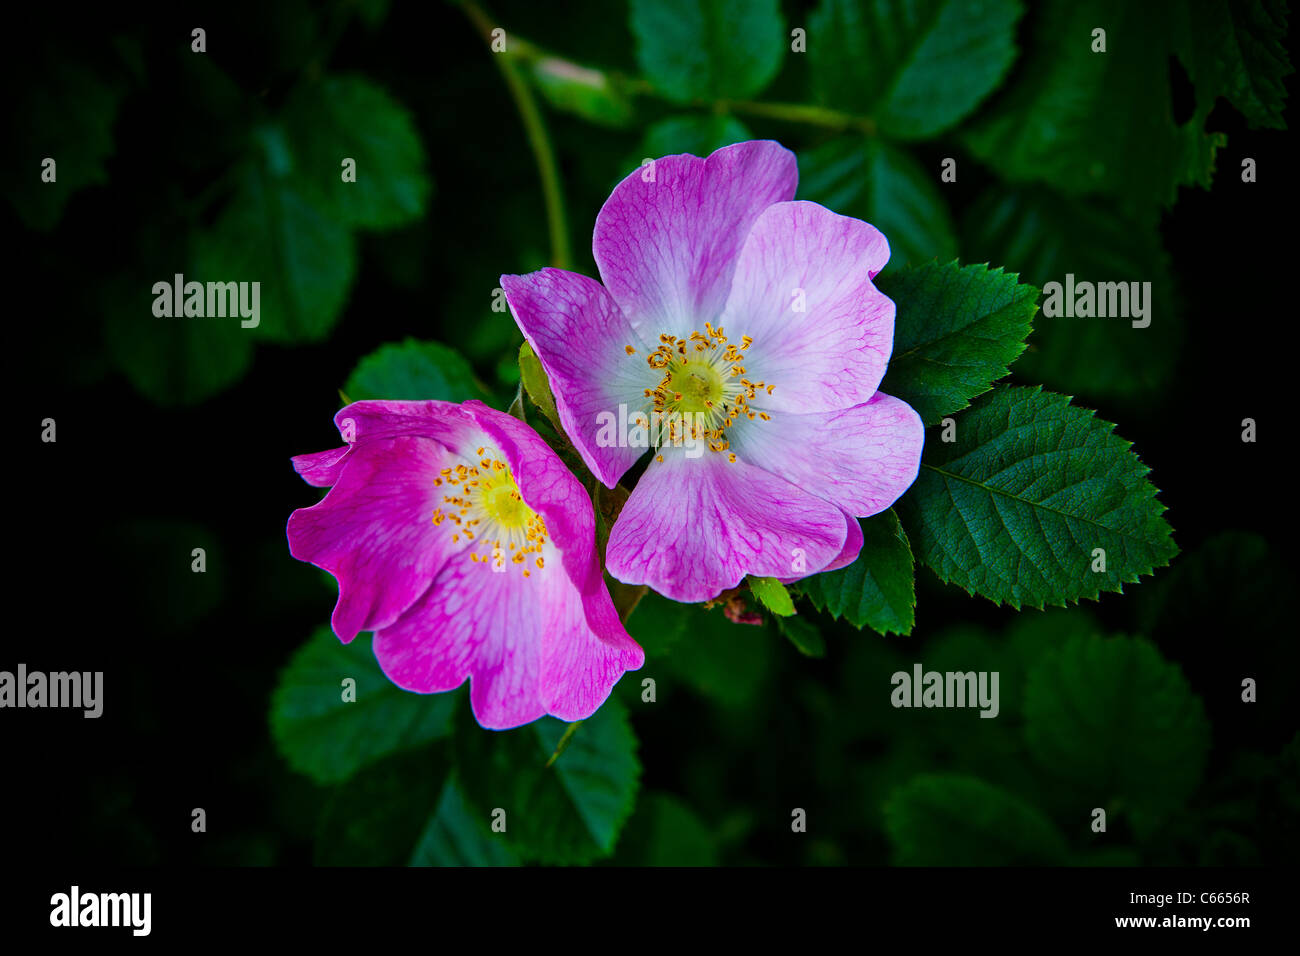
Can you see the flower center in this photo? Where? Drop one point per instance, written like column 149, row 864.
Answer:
column 484, row 506
column 703, row 389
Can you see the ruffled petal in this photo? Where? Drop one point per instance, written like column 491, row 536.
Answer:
column 822, row 333
column 582, row 338
column 666, row 248
column 693, row 528
column 322, row 468
column 374, row 531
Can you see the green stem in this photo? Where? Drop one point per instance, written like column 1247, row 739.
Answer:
column 538, row 140
column 564, row 741
column 800, row 113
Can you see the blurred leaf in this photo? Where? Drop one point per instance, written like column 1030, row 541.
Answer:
column 1014, row 508
column 372, row 12
column 66, row 112
column 915, row 67
column 708, row 49
column 697, row 135
column 952, row 820
column 375, row 818
column 666, row 832
column 329, row 739
column 454, row 837
column 772, row 594
column 803, row 635
column 878, row 590
column 1231, row 577
column 570, row 812
column 591, row 94
column 1235, row 49
column 350, row 117
column 1044, row 236
column 1027, row 640
column 1115, row 722
column 414, row 371
column 1057, row 122
column 957, row 330
column 157, row 560
column 658, row 624
column 1229, row 584
column 884, row 185
column 720, row 660
column 171, row 361
column 268, row 233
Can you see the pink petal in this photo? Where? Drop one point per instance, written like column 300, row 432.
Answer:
column 832, row 354
column 374, row 531
column 581, row 338
column 861, row 458
column 693, row 528
column 666, row 249
column 322, row 468
column 480, row 622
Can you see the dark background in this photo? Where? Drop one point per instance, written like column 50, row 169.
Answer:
column 102, row 522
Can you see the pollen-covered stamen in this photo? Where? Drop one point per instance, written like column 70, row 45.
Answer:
column 484, row 508
column 703, row 390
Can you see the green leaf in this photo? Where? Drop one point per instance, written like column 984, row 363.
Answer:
column 878, row 590
column 1113, row 721
column 666, row 832
column 329, row 739
column 65, row 113
column 954, row 820
column 957, row 330
column 1014, row 508
column 414, row 371
column 533, row 377
column 803, row 635
column 1057, row 122
column 375, row 818
column 884, row 185
column 591, row 94
column 269, row 233
column 701, row 649
column 160, row 587
column 171, row 361
column 455, row 837
column 658, row 624
column 697, row 135
column 708, row 49
column 772, row 594
column 570, row 812
column 1228, row 584
column 1045, row 236
column 916, row 68
column 348, row 117
column 1236, row 49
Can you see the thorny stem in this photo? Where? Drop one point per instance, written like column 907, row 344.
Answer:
column 538, row 140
